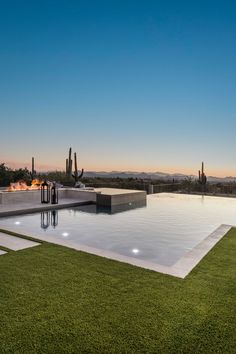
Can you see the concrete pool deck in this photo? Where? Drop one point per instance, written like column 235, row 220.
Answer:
column 22, row 202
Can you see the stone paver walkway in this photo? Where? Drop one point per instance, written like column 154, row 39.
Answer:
column 15, row 243
column 2, row 252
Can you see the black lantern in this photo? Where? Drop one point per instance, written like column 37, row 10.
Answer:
column 45, row 220
column 54, row 218
column 45, row 192
column 54, row 194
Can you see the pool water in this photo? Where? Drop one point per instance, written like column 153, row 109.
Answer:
column 162, row 231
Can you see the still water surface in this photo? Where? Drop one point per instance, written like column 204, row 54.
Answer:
column 161, row 231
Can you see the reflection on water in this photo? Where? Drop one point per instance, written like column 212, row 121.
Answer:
column 45, row 220
column 54, row 218
column 50, row 217
column 162, row 232
column 113, row 209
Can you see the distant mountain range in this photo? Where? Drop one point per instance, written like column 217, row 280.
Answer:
column 153, row 175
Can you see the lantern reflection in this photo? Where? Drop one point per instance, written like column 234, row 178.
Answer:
column 54, row 218
column 49, row 218
column 45, row 220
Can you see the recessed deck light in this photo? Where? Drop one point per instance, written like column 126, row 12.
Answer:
column 135, row 251
column 17, row 222
column 65, row 234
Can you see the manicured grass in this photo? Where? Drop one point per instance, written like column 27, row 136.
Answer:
column 56, row 300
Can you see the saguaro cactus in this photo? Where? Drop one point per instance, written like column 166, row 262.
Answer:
column 202, row 178
column 69, row 163
column 76, row 175
column 33, row 172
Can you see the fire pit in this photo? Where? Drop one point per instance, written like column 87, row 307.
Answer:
column 14, row 198
column 22, row 186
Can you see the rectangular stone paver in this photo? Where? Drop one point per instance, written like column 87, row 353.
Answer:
column 15, row 243
column 2, row 252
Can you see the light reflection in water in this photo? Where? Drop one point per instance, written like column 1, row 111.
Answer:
column 162, row 232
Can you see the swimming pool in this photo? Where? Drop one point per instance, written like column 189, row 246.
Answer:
column 160, row 233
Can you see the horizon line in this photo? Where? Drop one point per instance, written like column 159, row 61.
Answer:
column 48, row 168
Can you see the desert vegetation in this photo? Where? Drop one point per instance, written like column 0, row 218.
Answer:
column 185, row 185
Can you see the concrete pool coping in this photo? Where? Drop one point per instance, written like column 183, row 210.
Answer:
column 180, row 269
column 28, row 208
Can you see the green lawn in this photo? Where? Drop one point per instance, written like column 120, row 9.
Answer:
column 57, row 300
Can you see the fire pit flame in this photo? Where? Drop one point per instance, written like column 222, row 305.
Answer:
column 22, row 186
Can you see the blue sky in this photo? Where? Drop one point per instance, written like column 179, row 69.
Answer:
column 130, row 85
